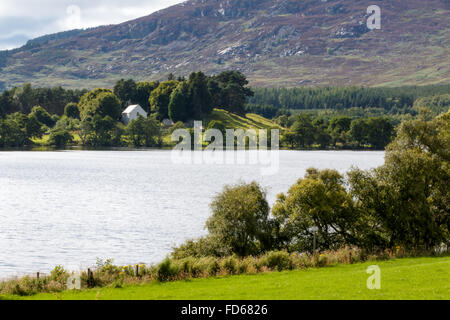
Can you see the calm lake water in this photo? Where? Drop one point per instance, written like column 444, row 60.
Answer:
column 71, row 207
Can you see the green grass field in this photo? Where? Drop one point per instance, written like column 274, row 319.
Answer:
column 419, row 278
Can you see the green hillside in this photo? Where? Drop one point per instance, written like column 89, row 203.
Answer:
column 234, row 121
column 231, row 121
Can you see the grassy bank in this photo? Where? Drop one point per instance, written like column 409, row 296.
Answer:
column 409, row 278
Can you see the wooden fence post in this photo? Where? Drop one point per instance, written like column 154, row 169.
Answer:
column 37, row 276
column 90, row 279
column 137, row 270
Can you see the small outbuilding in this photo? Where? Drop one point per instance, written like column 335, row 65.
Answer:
column 132, row 113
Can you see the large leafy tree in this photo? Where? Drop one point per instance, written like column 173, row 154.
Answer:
column 11, row 134
column 199, row 97
column 25, row 98
column 60, row 138
column 359, row 131
column 240, row 219
column 101, row 102
column 33, row 127
column 303, row 130
column 319, row 201
column 43, row 116
column 108, row 105
column 160, row 98
column 408, row 196
column 178, row 104
column 71, row 110
column 145, row 132
column 234, row 98
column 99, row 131
column 126, row 91
column 18, row 129
column 143, row 91
column 6, row 103
column 376, row 131
column 379, row 132
column 321, row 135
column 339, row 128
column 229, row 90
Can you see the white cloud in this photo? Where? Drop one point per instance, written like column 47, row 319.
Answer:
column 21, row 20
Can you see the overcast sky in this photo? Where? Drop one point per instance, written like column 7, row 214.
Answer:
column 21, row 20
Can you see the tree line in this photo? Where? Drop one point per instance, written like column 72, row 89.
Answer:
column 189, row 98
column 306, row 131
column 229, row 90
column 95, row 115
column 395, row 99
column 18, row 129
column 23, row 99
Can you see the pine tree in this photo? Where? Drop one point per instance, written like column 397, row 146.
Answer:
column 177, row 106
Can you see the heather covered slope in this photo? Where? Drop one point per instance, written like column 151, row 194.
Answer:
column 275, row 42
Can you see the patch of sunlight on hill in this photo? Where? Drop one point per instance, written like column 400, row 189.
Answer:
column 231, row 121
column 234, row 121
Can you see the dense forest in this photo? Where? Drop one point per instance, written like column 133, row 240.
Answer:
column 183, row 98
column 23, row 99
column 393, row 100
column 269, row 102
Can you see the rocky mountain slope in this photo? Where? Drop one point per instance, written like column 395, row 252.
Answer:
column 274, row 42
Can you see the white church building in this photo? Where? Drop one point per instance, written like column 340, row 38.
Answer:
column 132, row 113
